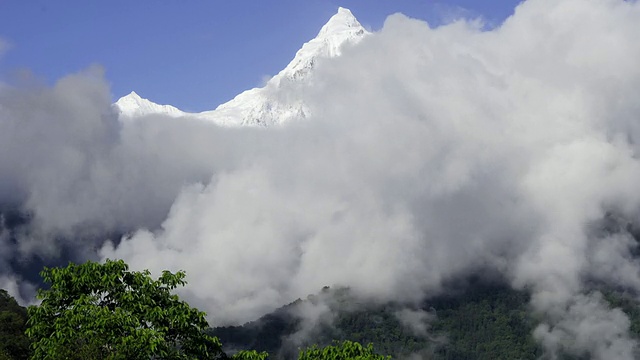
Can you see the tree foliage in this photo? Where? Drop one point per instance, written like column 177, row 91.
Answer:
column 250, row 355
column 346, row 350
column 105, row 311
column 13, row 317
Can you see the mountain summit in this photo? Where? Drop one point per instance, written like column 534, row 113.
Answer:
column 343, row 21
column 133, row 105
column 342, row 28
column 263, row 106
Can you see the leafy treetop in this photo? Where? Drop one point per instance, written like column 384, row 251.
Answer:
column 346, row 350
column 105, row 311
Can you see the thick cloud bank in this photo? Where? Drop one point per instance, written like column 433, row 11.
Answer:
column 431, row 153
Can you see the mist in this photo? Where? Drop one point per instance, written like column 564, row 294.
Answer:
column 430, row 153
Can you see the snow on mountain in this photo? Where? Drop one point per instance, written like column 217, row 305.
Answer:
column 342, row 28
column 133, row 105
column 271, row 104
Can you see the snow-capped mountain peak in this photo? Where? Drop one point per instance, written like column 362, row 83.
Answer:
column 341, row 29
column 258, row 106
column 130, row 101
column 132, row 105
column 342, row 21
column 264, row 106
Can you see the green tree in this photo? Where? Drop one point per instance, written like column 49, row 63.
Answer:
column 346, row 350
column 250, row 355
column 104, row 311
column 13, row 318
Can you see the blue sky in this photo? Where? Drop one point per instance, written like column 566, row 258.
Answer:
column 190, row 54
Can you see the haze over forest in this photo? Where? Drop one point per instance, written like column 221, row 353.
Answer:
column 427, row 154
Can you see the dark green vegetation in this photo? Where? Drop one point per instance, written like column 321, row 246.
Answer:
column 344, row 351
column 487, row 321
column 105, row 311
column 14, row 344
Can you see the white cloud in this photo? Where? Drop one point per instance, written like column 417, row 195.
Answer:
column 588, row 328
column 416, row 320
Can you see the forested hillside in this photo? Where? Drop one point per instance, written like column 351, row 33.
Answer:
column 486, row 321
